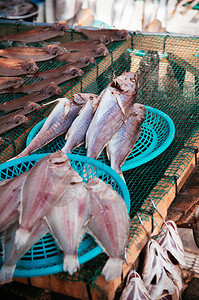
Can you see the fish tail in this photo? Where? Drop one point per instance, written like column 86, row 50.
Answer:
column 6, row 274
column 112, row 269
column 21, row 237
column 71, row 263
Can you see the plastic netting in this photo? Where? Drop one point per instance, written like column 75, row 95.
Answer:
column 168, row 73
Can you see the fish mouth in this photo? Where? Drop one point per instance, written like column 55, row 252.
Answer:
column 58, row 158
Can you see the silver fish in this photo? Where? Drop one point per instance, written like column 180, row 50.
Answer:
column 11, row 254
column 58, row 122
column 122, row 143
column 67, row 221
column 77, row 132
column 109, row 224
column 116, row 104
column 42, row 189
column 134, row 288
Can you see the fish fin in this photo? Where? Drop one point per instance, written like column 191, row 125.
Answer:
column 122, row 176
column 119, row 102
column 66, row 109
column 71, row 263
column 107, row 152
column 112, row 268
column 66, row 136
column 6, row 274
column 21, row 237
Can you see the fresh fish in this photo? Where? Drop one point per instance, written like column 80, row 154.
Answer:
column 105, row 35
column 171, row 243
column 70, row 69
column 10, row 195
column 77, row 132
column 37, row 34
column 34, row 53
column 15, row 67
column 37, row 86
column 122, row 143
column 7, row 82
column 43, row 186
column 157, row 271
column 13, row 122
column 115, row 105
column 79, row 45
column 99, row 51
column 67, row 221
column 83, row 17
column 58, row 122
column 50, row 90
column 109, row 224
column 134, row 288
column 11, row 254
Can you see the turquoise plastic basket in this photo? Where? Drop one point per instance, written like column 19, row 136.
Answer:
column 45, row 257
column 157, row 133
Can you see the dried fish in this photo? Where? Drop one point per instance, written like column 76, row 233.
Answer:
column 77, row 132
column 99, row 51
column 115, row 106
column 7, row 82
column 105, row 35
column 43, row 186
column 34, row 53
column 50, row 90
column 58, row 122
column 37, row 34
column 67, row 221
column 13, row 122
column 79, row 45
column 15, row 67
column 109, row 224
column 122, row 143
column 38, row 86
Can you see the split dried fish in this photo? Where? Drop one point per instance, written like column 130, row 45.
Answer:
column 77, row 132
column 115, row 106
column 7, row 82
column 79, row 45
column 13, row 122
column 34, row 53
column 37, row 34
column 50, row 90
column 15, row 67
column 109, row 224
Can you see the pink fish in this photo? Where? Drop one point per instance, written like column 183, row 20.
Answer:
column 109, row 224
column 43, row 187
column 67, row 221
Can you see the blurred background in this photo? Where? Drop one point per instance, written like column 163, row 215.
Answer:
column 178, row 16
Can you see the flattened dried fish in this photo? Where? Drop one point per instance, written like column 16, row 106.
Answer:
column 116, row 104
column 48, row 91
column 105, row 35
column 58, row 122
column 37, row 86
column 99, row 51
column 34, row 53
column 7, row 82
column 77, row 132
column 67, row 221
column 122, row 143
column 37, row 34
column 13, row 122
column 79, row 45
column 109, row 224
column 15, row 67
column 43, row 186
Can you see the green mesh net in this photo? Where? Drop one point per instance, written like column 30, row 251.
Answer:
column 168, row 73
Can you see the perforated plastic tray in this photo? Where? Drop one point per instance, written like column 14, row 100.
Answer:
column 45, row 257
column 157, row 133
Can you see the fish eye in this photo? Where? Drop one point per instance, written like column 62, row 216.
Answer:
column 73, row 72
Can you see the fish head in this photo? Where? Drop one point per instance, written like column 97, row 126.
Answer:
column 20, row 119
column 139, row 109
column 60, row 27
column 63, row 105
column 59, row 163
column 101, row 50
column 31, row 106
column 126, row 83
column 73, row 71
column 87, row 60
column 30, row 66
column 104, row 39
column 54, row 50
column 123, row 35
column 16, row 82
column 51, row 90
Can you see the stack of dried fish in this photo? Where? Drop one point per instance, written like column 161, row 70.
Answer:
column 52, row 197
column 160, row 268
column 111, row 120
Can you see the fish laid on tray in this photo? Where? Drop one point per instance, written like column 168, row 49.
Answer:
column 115, row 106
column 34, row 53
column 7, row 82
column 13, row 122
column 37, row 34
column 79, row 45
column 109, row 224
column 58, row 122
column 14, row 67
column 48, row 91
